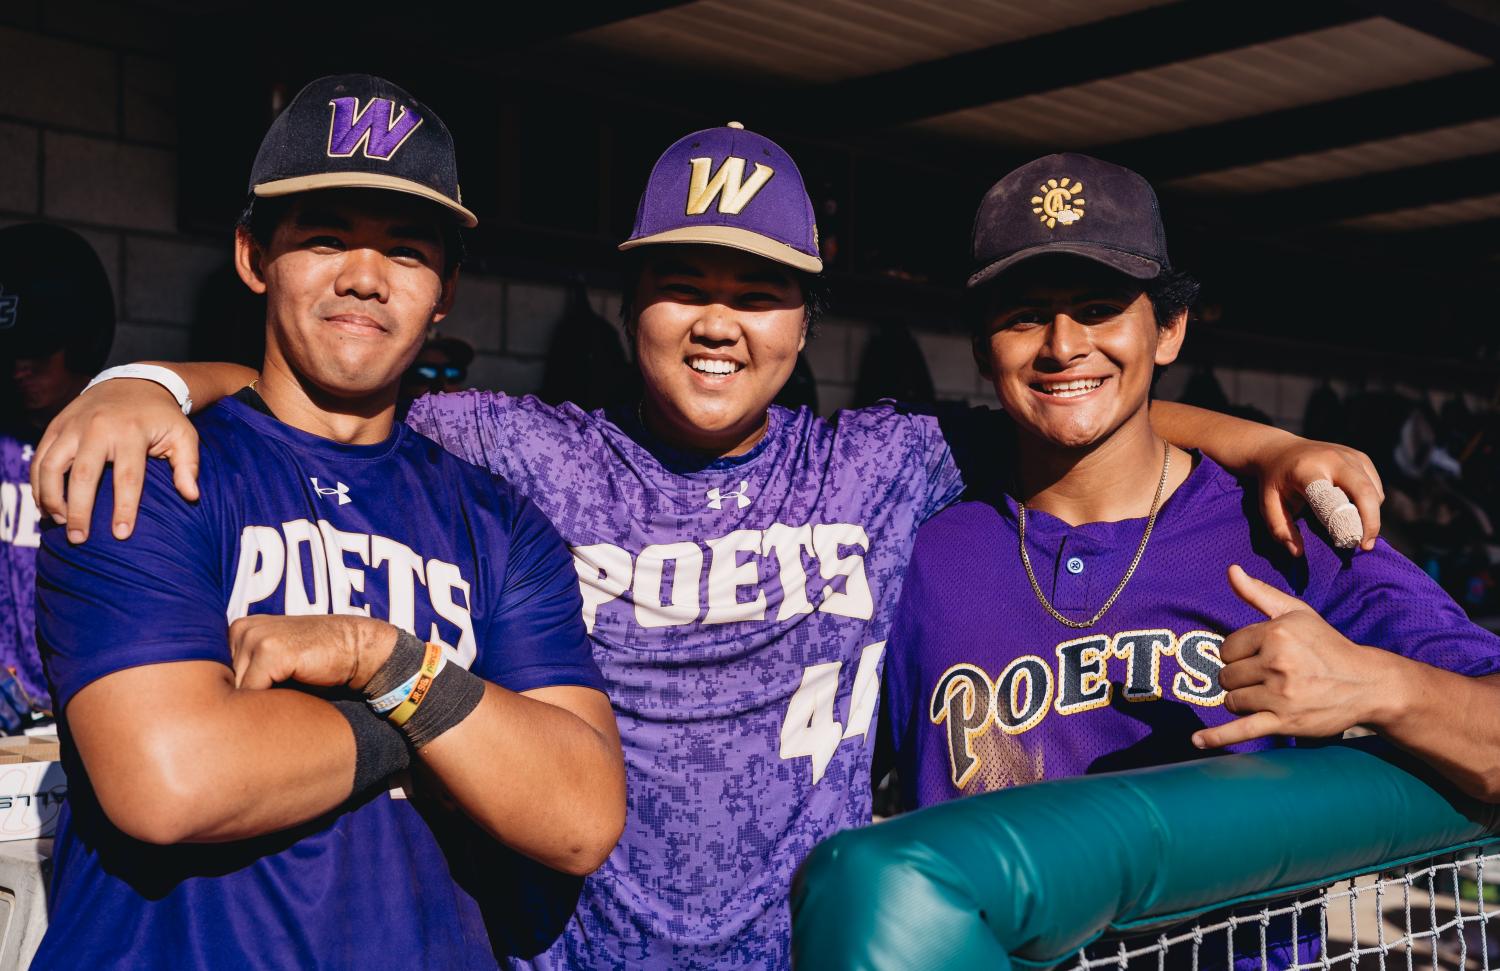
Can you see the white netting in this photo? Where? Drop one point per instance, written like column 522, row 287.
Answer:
column 1433, row 914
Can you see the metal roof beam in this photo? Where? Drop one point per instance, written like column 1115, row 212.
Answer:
column 1119, row 45
column 1420, row 106
column 1471, row 24
column 1363, row 195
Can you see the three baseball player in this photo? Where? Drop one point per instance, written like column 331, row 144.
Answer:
column 739, row 564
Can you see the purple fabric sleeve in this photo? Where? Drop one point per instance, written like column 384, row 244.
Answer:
column 537, row 638
column 1384, row 600
column 106, row 605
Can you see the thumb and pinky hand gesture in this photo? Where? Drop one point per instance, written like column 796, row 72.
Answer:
column 1291, row 674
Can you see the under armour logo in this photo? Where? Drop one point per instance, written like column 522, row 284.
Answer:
column 716, row 498
column 342, row 491
column 376, row 130
column 27, row 452
column 8, row 307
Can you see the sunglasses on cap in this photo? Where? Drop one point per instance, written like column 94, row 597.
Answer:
column 432, row 372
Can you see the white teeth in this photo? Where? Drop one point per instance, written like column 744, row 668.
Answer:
column 1071, row 389
column 712, row 365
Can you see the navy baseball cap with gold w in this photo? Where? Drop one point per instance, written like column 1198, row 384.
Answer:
column 1073, row 204
column 729, row 187
column 357, row 131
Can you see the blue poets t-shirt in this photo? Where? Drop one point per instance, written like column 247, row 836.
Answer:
column 290, row 523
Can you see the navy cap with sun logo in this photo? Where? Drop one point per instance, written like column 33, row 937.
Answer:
column 1070, row 203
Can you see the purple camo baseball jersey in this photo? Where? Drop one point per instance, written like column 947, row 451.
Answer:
column 739, row 610
column 986, row 690
column 20, row 533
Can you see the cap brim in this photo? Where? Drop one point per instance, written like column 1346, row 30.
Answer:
column 1129, row 264
column 740, row 239
column 364, row 180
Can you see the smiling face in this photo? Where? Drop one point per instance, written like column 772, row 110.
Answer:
column 717, row 332
column 1071, row 347
column 353, row 280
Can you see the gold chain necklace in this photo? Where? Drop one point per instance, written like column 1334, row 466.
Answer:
column 1161, row 486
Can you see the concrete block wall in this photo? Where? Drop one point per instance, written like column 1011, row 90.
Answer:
column 88, row 138
column 1282, row 396
column 88, row 135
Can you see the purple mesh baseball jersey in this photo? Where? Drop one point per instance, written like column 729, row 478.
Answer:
column 290, row 523
column 986, row 690
column 702, row 189
column 20, row 533
column 739, row 610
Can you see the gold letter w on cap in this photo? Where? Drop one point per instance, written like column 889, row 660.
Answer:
column 728, row 184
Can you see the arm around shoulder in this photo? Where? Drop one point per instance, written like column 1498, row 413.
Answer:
column 1285, row 464
column 122, row 422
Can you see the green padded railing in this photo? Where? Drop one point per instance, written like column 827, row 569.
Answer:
column 1027, row 876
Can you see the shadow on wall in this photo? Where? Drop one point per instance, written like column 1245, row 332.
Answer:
column 801, row 389
column 586, row 364
column 1204, row 390
column 893, row 366
column 229, row 322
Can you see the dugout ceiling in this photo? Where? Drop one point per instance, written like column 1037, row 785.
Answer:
column 1331, row 167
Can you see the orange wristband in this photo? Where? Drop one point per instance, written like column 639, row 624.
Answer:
column 432, row 662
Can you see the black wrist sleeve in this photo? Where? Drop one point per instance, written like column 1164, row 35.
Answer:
column 454, row 693
column 380, row 751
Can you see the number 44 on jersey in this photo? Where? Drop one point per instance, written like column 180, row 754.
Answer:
column 810, row 727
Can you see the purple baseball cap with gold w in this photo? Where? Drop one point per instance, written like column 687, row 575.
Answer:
column 729, row 187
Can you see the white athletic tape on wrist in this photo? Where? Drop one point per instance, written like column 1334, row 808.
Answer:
column 154, row 373
column 1337, row 514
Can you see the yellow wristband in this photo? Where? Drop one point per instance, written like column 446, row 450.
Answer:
column 432, row 663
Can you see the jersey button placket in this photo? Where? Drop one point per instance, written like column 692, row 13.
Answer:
column 1072, row 578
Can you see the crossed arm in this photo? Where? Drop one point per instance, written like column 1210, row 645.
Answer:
column 540, row 770
column 184, row 747
column 124, row 421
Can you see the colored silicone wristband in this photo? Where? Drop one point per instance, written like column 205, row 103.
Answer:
column 388, row 701
column 432, row 663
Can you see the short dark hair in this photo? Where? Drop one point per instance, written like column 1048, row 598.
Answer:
column 1172, row 293
column 261, row 216
column 813, row 286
